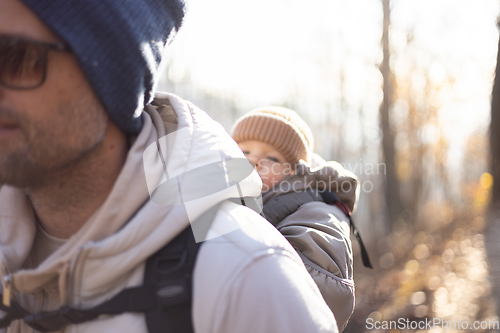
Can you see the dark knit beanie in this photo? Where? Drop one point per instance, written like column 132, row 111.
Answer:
column 279, row 127
column 119, row 45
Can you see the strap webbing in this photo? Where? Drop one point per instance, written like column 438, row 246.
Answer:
column 364, row 254
column 331, row 197
column 171, row 271
column 165, row 296
column 13, row 312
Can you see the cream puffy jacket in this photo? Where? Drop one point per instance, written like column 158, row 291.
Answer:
column 247, row 277
column 320, row 232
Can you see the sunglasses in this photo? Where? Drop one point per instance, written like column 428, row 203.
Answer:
column 23, row 63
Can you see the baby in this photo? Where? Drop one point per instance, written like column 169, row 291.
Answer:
column 297, row 188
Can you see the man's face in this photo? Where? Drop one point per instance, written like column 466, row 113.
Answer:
column 52, row 127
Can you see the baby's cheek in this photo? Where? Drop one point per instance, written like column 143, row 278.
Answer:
column 271, row 180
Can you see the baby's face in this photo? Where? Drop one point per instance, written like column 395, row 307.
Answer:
column 270, row 164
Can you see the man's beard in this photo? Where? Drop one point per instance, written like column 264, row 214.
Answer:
column 47, row 147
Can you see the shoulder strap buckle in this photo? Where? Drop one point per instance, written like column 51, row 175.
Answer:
column 167, row 264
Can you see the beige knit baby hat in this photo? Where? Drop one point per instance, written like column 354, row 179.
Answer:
column 279, row 127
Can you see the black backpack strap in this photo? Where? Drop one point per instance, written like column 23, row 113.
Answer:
column 171, row 271
column 364, row 252
column 165, row 296
column 14, row 312
column 332, row 199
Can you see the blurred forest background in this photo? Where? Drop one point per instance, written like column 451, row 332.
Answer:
column 399, row 92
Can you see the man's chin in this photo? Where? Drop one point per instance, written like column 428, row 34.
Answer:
column 11, row 140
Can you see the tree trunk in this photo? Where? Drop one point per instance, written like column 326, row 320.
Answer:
column 492, row 232
column 392, row 195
